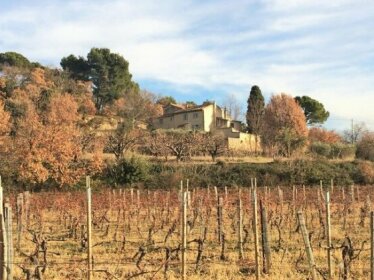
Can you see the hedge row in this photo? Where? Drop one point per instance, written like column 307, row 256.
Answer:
column 298, row 172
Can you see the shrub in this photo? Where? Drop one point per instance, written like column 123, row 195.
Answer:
column 342, row 151
column 348, row 151
column 298, row 172
column 127, row 171
column 320, row 149
column 366, row 169
column 319, row 134
column 365, row 147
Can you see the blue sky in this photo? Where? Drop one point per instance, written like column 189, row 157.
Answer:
column 198, row 50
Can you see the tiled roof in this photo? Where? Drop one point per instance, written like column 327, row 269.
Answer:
column 183, row 110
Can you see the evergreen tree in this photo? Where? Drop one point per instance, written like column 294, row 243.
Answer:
column 314, row 110
column 255, row 111
column 17, row 60
column 14, row 59
column 108, row 72
column 166, row 100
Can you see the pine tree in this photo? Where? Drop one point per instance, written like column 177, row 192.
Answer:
column 314, row 111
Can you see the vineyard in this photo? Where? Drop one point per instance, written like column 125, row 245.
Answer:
column 205, row 233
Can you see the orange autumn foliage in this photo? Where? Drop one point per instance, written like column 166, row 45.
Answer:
column 48, row 138
column 4, row 120
column 318, row 134
column 284, row 129
column 4, row 125
column 62, row 139
column 84, row 98
column 50, row 148
column 36, row 83
column 2, row 83
column 63, row 110
column 29, row 149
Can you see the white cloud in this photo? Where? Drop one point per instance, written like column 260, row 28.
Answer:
column 319, row 48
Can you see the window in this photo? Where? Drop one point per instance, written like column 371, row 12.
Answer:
column 232, row 125
column 196, row 126
column 185, row 117
column 171, row 118
column 195, row 115
column 161, row 121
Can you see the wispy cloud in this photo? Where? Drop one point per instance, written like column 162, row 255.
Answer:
column 211, row 49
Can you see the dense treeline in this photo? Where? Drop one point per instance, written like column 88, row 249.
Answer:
column 51, row 131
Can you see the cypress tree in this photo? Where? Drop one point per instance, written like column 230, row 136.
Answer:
column 255, row 110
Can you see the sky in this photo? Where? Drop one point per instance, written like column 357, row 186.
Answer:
column 217, row 50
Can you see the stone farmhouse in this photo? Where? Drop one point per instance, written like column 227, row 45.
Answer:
column 207, row 117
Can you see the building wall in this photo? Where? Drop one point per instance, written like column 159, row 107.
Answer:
column 228, row 132
column 205, row 119
column 222, row 123
column 243, row 142
column 209, row 118
column 236, row 125
column 193, row 120
column 238, row 140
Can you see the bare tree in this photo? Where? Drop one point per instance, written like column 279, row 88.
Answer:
column 355, row 133
column 214, row 144
column 154, row 144
column 137, row 106
column 124, row 138
column 233, row 107
column 181, row 143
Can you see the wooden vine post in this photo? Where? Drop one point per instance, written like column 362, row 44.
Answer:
column 352, row 193
column 138, row 199
column 358, row 193
column 3, row 239
column 321, row 190
column 293, row 200
column 280, row 197
column 240, row 228
column 266, row 258
column 26, row 202
column 304, row 196
column 255, row 232
column 89, row 227
column 123, row 198
column 372, row 245
column 9, row 237
column 184, row 234
column 132, row 196
column 19, row 209
column 220, row 219
column 110, row 199
column 308, row 249
column 328, row 234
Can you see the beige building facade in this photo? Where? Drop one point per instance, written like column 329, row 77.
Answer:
column 207, row 117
